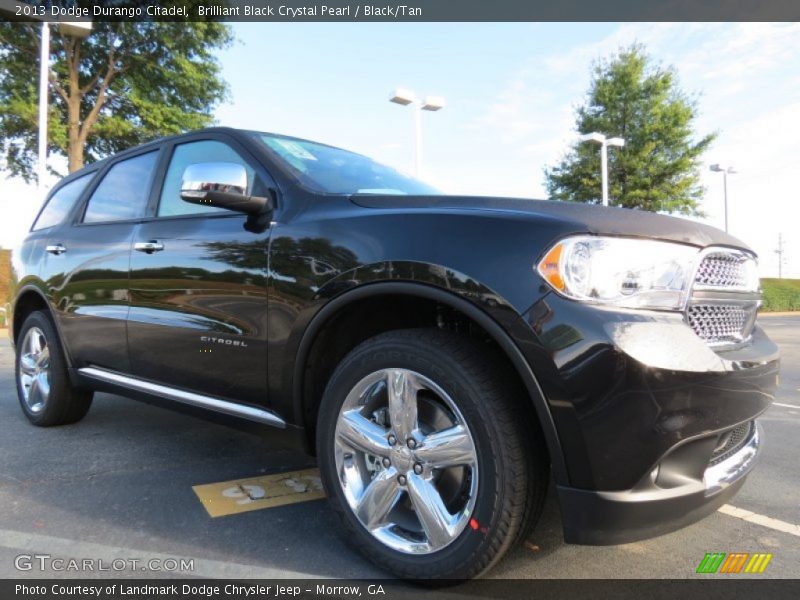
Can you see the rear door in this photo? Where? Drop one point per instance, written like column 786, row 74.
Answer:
column 86, row 269
column 197, row 320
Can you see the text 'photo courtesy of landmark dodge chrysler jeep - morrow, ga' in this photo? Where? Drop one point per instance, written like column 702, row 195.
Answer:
column 442, row 357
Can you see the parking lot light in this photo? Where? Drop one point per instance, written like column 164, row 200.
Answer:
column 717, row 168
column 604, row 142
column 405, row 97
column 10, row 9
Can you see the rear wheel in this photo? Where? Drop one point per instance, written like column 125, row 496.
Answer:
column 426, row 455
column 43, row 386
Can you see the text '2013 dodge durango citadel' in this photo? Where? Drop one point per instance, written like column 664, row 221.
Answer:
column 443, row 357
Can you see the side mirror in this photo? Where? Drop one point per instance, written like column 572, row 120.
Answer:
column 223, row 185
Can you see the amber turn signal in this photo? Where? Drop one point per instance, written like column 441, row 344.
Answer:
column 550, row 269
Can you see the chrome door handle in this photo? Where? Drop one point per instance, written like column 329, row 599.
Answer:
column 151, row 246
column 56, row 249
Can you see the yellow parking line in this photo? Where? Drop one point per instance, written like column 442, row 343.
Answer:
column 255, row 493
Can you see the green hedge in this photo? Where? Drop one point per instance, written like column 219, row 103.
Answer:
column 5, row 281
column 780, row 294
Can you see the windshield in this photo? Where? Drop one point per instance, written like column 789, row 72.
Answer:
column 335, row 171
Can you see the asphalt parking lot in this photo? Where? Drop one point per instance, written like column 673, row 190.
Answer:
column 118, row 485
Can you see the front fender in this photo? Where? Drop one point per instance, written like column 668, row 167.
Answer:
column 438, row 276
column 337, row 291
column 490, row 311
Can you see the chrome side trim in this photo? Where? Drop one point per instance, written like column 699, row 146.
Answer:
column 730, row 470
column 251, row 413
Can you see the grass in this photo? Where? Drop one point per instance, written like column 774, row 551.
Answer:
column 780, row 295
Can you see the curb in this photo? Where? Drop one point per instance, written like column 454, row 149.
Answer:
column 791, row 313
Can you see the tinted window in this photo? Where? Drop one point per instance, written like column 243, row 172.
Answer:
column 185, row 155
column 122, row 194
column 336, row 171
column 61, row 203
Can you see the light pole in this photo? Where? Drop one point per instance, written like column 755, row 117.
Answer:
column 724, row 170
column 779, row 251
column 44, row 75
column 431, row 103
column 10, row 9
column 605, row 142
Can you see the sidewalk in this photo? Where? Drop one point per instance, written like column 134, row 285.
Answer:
column 791, row 313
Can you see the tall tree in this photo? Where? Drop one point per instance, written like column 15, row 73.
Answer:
column 658, row 169
column 123, row 84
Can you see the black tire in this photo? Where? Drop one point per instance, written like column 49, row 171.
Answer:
column 64, row 403
column 511, row 458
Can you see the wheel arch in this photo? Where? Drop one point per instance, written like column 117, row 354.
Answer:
column 28, row 299
column 430, row 293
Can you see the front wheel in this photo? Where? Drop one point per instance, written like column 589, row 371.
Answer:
column 427, row 454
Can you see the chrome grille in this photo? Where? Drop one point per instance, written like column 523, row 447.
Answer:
column 724, row 270
column 719, row 323
column 731, row 441
column 724, row 319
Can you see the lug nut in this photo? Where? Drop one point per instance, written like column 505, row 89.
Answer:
column 418, row 469
column 401, row 479
column 387, row 463
column 412, row 443
column 392, row 440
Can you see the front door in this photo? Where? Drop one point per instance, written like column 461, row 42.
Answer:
column 198, row 284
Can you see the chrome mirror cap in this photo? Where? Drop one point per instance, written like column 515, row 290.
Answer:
column 201, row 178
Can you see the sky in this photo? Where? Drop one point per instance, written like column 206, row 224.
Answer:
column 511, row 90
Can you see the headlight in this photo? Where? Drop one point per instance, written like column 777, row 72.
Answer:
column 623, row 272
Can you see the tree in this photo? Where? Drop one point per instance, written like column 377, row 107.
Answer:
column 122, row 85
column 659, row 167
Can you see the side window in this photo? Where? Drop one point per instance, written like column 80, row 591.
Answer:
column 123, row 192
column 184, row 155
column 61, row 203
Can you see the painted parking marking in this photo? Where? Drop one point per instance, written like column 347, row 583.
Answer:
column 762, row 520
column 785, row 405
column 256, row 493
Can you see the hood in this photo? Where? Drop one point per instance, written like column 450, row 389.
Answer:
column 581, row 218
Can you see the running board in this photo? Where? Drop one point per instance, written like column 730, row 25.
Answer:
column 221, row 406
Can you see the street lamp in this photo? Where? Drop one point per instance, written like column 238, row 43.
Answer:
column 10, row 9
column 724, row 170
column 599, row 138
column 405, row 97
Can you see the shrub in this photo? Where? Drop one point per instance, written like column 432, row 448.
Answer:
column 780, row 294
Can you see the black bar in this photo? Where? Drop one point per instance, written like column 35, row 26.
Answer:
column 409, row 10
column 706, row 587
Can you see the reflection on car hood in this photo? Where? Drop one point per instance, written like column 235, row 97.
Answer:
column 584, row 218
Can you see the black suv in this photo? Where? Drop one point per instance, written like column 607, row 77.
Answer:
column 441, row 356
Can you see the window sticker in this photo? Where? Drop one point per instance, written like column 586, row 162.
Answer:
column 293, row 149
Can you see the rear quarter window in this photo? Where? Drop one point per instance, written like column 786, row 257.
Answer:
column 61, row 202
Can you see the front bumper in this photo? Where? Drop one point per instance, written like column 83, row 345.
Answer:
column 618, row 517
column 641, row 406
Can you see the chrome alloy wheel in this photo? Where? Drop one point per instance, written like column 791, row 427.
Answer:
column 34, row 370
column 406, row 461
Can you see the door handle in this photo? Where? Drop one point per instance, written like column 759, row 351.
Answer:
column 149, row 247
column 56, row 249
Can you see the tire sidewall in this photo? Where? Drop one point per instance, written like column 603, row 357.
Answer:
column 465, row 393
